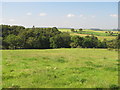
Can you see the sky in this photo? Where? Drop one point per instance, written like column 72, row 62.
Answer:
column 102, row 15
column 59, row 0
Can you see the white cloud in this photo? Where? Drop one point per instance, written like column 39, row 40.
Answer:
column 11, row 20
column 113, row 15
column 29, row 13
column 81, row 15
column 84, row 17
column 42, row 14
column 93, row 16
column 70, row 15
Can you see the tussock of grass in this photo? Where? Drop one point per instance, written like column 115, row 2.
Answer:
column 112, row 69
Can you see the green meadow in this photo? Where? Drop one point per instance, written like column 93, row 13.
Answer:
column 60, row 68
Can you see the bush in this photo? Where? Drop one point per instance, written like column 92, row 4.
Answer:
column 19, row 37
column 60, row 41
column 114, row 87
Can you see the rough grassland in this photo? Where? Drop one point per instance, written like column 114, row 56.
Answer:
column 56, row 68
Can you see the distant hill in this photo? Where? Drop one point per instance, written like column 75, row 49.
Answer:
column 64, row 28
column 115, row 29
column 96, row 29
column 104, row 29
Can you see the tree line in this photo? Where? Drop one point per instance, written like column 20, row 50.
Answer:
column 19, row 37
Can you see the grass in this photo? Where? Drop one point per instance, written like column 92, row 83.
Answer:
column 60, row 68
column 86, row 30
column 100, row 34
column 99, row 37
column 94, row 33
column 64, row 30
column 0, row 70
column 106, row 37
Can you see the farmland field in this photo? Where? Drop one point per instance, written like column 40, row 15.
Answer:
column 60, row 68
column 99, row 37
column 100, row 34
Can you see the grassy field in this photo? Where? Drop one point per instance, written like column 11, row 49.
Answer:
column 86, row 30
column 60, row 68
column 100, row 34
column 99, row 37
column 0, row 70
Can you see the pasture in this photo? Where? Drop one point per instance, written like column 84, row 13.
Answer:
column 60, row 68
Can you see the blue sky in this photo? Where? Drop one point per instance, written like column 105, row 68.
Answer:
column 61, row 14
